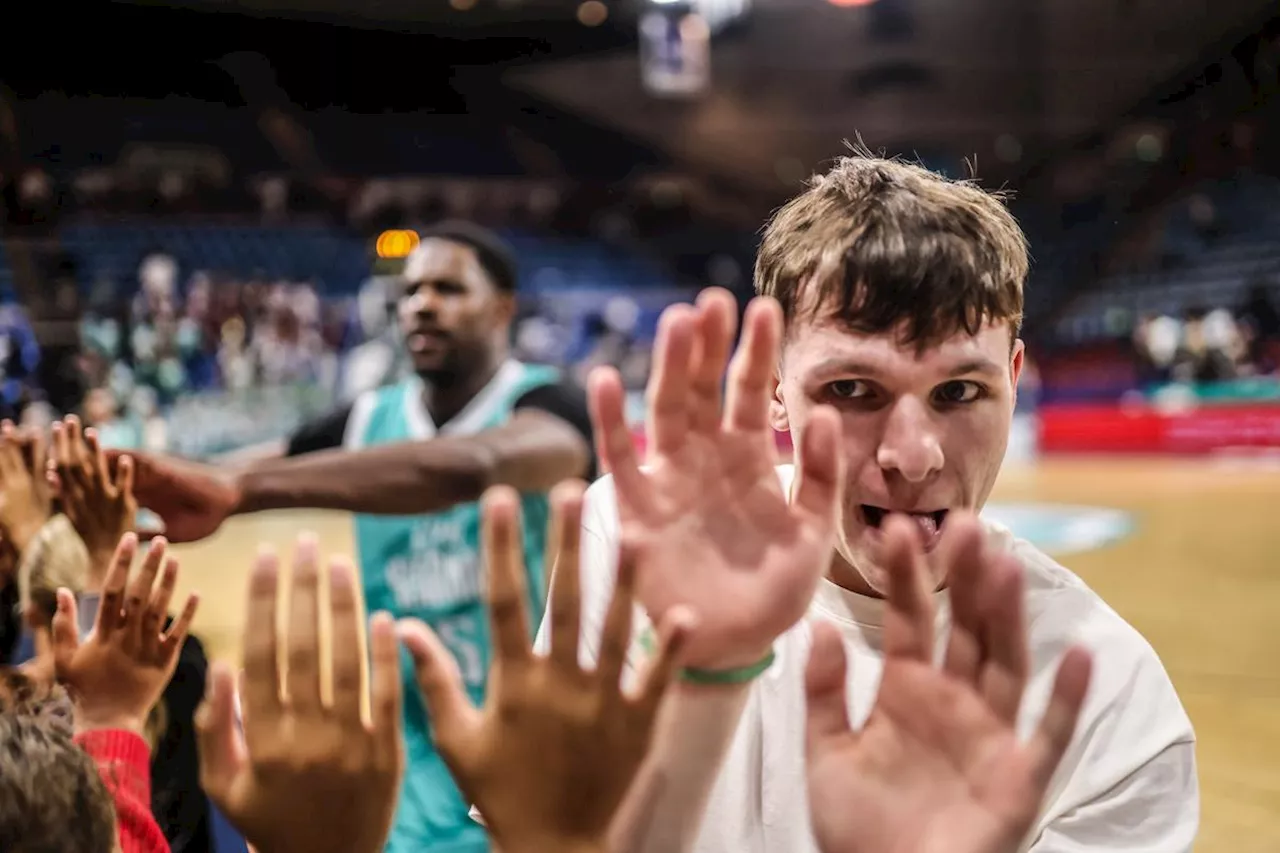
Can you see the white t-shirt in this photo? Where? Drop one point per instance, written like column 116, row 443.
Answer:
column 1127, row 783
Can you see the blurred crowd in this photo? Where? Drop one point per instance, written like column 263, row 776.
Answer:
column 174, row 364
column 140, row 355
column 1210, row 345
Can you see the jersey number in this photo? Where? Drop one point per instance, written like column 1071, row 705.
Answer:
column 463, row 638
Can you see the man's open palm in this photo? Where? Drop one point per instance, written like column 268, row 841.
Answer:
column 708, row 512
column 938, row 767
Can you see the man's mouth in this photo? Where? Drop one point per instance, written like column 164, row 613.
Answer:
column 929, row 522
column 426, row 339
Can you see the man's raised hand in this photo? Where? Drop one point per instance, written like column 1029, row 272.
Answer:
column 707, row 514
column 938, row 767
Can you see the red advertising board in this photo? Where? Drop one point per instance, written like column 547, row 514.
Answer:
column 1123, row 429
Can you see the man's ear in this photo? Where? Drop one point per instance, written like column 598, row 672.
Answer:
column 505, row 305
column 1017, row 360
column 777, row 411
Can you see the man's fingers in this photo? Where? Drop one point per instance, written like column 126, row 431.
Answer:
column 565, row 606
column 752, row 369
column 673, row 637
column 820, row 469
column 615, row 636
column 508, row 591
column 908, row 631
column 961, row 552
column 386, row 698
column 39, row 454
column 302, row 683
column 137, row 599
column 218, row 740
column 171, row 645
column 262, row 687
column 717, row 323
column 615, row 445
column 670, row 385
column 66, row 631
column 71, row 425
column 348, row 659
column 1058, row 725
column 158, row 607
column 78, row 457
column 124, row 476
column 97, row 459
column 452, row 714
column 1004, row 672
column 110, row 612
column 825, row 677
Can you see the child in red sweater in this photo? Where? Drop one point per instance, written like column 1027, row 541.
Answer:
column 124, row 763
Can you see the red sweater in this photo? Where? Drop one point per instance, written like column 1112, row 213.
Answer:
column 124, row 762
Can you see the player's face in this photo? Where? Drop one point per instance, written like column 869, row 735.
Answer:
column 922, row 433
column 450, row 313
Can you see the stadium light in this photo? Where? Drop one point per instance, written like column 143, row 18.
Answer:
column 393, row 245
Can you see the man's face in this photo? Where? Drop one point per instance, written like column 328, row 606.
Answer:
column 450, row 313
column 922, row 433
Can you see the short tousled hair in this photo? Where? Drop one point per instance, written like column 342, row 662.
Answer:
column 884, row 245
column 51, row 794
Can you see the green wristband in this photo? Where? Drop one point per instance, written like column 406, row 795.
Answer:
column 741, row 675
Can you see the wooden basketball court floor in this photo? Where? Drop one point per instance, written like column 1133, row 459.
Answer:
column 1198, row 575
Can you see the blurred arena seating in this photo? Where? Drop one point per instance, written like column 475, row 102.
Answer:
column 1154, row 241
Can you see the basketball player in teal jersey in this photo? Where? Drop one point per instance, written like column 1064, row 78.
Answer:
column 411, row 460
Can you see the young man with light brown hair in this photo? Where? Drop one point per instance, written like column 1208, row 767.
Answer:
column 885, row 340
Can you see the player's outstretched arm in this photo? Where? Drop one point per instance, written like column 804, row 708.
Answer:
column 532, row 452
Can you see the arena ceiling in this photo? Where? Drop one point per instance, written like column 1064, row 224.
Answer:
column 977, row 78
column 998, row 81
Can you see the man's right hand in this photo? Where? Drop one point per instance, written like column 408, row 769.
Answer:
column 939, row 764
column 193, row 499
column 708, row 513
column 307, row 775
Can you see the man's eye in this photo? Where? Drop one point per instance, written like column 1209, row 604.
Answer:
column 959, row 391
column 849, row 389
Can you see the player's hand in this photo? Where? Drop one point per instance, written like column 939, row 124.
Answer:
column 25, row 501
column 306, row 776
column 99, row 504
column 938, row 767
column 550, row 757
column 707, row 515
column 121, row 669
column 192, row 499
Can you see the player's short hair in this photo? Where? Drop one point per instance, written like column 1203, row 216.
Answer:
column 495, row 256
column 883, row 244
column 51, row 795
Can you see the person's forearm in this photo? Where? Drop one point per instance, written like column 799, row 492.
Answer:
column 399, row 479
column 411, row 477
column 664, row 809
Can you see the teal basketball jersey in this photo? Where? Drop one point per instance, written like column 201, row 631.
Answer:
column 429, row 567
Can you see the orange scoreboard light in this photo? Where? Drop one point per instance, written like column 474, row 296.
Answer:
column 393, row 245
